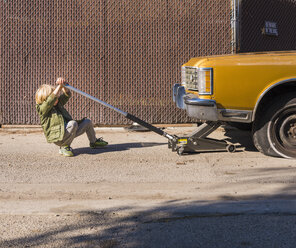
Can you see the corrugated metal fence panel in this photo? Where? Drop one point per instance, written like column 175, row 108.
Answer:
column 127, row 53
column 254, row 13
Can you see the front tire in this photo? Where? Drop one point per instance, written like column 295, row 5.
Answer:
column 274, row 129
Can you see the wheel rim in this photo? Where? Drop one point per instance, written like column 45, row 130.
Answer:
column 283, row 132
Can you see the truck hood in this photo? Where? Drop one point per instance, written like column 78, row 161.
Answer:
column 244, row 59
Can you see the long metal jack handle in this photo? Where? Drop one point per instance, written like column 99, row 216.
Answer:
column 127, row 115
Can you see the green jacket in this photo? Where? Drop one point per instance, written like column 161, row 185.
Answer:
column 53, row 118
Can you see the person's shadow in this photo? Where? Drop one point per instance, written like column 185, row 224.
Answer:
column 115, row 148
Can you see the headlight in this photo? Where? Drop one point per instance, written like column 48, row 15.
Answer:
column 198, row 79
column 190, row 77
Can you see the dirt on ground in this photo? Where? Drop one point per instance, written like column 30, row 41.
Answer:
column 138, row 193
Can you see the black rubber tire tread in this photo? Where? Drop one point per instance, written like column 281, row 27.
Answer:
column 264, row 116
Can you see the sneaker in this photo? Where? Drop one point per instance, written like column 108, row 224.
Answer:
column 66, row 151
column 99, row 143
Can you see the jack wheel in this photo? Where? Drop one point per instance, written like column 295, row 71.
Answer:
column 230, row 148
column 180, row 151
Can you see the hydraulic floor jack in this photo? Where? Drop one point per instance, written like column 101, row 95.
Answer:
column 195, row 142
column 198, row 141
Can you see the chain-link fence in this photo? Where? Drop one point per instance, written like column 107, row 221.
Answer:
column 127, row 53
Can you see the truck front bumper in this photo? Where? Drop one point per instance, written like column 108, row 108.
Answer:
column 202, row 109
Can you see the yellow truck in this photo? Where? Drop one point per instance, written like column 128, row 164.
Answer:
column 252, row 89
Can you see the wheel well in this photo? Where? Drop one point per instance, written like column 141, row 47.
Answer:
column 272, row 93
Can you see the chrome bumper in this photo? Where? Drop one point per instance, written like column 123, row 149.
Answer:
column 202, row 109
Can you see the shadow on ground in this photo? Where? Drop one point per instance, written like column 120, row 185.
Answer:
column 115, row 148
column 242, row 137
column 257, row 222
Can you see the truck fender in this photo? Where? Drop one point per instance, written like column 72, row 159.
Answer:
column 267, row 90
